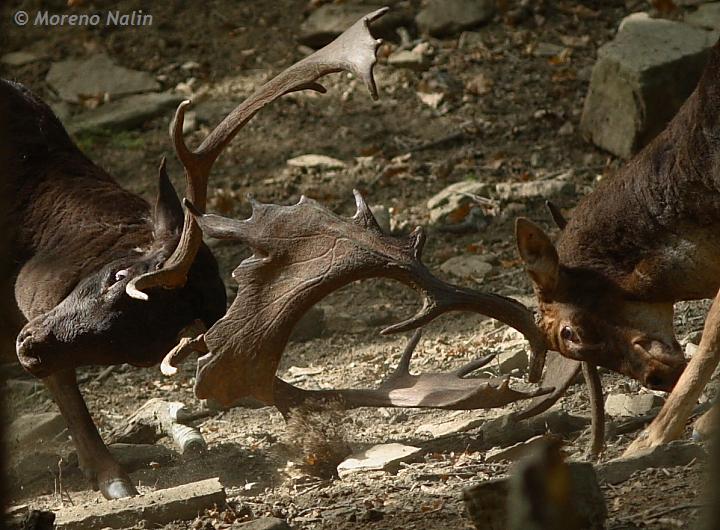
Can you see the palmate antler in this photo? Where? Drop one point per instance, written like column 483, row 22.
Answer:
column 304, row 252
column 353, row 51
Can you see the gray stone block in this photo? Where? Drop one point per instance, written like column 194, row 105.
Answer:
column 640, row 80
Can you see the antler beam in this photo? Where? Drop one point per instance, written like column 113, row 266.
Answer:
column 402, row 389
column 353, row 51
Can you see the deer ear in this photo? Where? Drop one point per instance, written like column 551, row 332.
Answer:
column 538, row 253
column 168, row 216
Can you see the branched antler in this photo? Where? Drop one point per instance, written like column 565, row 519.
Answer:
column 402, row 389
column 303, row 252
column 353, row 51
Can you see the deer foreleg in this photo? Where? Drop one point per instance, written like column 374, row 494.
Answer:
column 95, row 460
column 670, row 423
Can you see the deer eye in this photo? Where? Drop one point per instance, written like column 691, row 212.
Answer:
column 568, row 334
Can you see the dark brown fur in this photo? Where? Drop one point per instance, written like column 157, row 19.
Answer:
column 70, row 240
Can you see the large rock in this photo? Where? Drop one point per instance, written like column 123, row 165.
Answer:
column 707, row 16
column 157, row 508
column 640, row 80
column 126, row 113
column 441, row 18
column 330, row 20
column 96, row 75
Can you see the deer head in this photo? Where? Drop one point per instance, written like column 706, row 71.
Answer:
column 96, row 322
column 302, row 253
column 586, row 316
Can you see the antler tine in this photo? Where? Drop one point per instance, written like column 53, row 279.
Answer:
column 440, row 297
column 402, row 389
column 354, row 51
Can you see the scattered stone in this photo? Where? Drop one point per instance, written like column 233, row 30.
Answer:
column 34, row 428
column 263, row 523
column 546, row 49
column 470, row 39
column 158, row 507
column 96, row 75
column 409, row 59
column 138, row 456
column 706, row 16
column 382, row 216
column 545, row 189
column 505, row 430
column 431, row 99
column 311, row 161
column 442, row 18
column 511, row 360
column 444, row 428
column 480, row 85
column 124, row 114
column 454, row 204
column 691, row 349
column 468, row 266
column 631, row 404
column 310, row 326
column 330, row 20
column 640, row 80
column 517, row 451
column 190, row 65
column 694, row 336
column 678, row 453
column 20, row 58
column 566, row 129
column 383, row 457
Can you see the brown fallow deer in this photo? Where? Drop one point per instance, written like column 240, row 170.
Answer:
column 642, row 240
column 91, row 274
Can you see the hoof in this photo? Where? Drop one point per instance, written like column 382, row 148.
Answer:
column 117, row 489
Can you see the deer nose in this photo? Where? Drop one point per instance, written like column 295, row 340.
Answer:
column 663, row 377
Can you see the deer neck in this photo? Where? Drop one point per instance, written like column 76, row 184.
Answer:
column 652, row 229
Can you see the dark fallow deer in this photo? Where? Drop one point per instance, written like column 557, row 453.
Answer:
column 91, row 273
column 642, row 240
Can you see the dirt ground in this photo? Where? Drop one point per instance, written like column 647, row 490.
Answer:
column 523, row 127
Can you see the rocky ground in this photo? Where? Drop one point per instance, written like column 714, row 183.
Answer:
column 493, row 111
